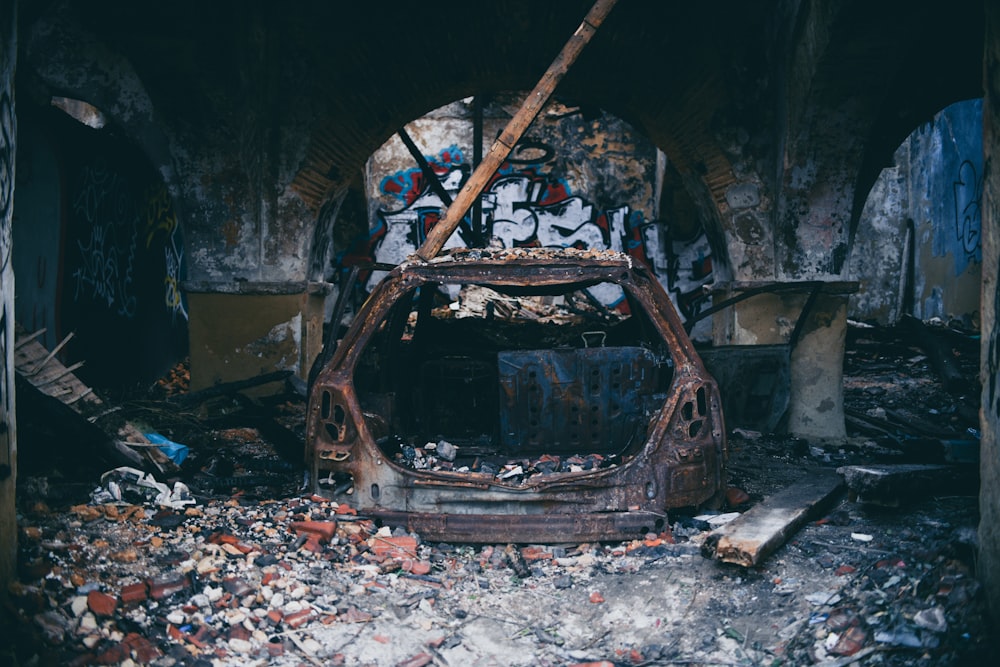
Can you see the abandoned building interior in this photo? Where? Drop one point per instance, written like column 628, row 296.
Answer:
column 496, row 275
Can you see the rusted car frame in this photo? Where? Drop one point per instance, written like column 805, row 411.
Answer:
column 629, row 392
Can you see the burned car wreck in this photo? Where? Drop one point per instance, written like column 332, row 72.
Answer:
column 494, row 396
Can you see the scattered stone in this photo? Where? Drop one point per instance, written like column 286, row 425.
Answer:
column 101, row 604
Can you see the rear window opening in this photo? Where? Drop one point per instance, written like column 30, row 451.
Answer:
column 510, row 383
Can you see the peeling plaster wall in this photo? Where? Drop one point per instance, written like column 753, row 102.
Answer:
column 8, row 430
column 229, row 166
column 937, row 183
column 989, row 455
column 268, row 341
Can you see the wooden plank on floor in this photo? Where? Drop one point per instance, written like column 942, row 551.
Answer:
column 756, row 534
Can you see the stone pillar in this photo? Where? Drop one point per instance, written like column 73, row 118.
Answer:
column 8, row 441
column 816, row 345
column 989, row 449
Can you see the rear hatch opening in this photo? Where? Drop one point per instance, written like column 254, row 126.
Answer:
column 510, row 386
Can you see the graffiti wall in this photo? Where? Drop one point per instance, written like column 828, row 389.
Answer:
column 918, row 246
column 103, row 258
column 578, row 179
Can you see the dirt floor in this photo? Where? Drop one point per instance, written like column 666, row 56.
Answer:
column 255, row 570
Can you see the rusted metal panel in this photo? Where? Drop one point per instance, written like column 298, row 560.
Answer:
column 565, row 399
column 427, row 417
column 532, row 529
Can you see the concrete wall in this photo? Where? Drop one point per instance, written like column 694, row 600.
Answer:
column 282, row 332
column 989, row 455
column 8, row 430
column 935, row 187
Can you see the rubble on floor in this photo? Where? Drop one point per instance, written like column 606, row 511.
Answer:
column 255, row 570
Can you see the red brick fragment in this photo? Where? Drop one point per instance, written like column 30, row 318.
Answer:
column 101, row 604
column 166, row 586
column 312, row 543
column 394, row 547
column 174, row 632
column 143, row 650
column 268, row 578
column 298, row 619
column 413, row 566
column 324, row 529
column 535, row 553
column 850, row 641
column 237, row 586
column 114, row 655
column 203, row 637
column 275, row 648
column 134, row 593
column 596, row 598
column 844, row 569
column 275, row 616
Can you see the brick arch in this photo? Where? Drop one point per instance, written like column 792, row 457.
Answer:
column 860, row 79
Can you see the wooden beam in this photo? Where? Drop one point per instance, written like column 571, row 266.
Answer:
column 502, row 147
column 756, row 534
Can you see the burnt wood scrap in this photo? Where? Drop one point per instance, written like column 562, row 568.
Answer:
column 54, row 389
column 756, row 534
column 229, row 388
column 892, row 485
column 917, row 440
column 939, row 352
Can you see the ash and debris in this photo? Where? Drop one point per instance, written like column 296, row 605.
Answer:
column 258, row 571
column 443, row 456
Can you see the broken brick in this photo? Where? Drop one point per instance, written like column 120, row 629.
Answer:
column 134, row 593
column 164, row 587
column 298, row 619
column 142, row 649
column 393, row 546
column 101, row 604
column 324, row 529
column 237, row 586
column 535, row 553
column 114, row 655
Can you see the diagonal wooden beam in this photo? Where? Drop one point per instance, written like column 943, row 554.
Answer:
column 502, row 147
